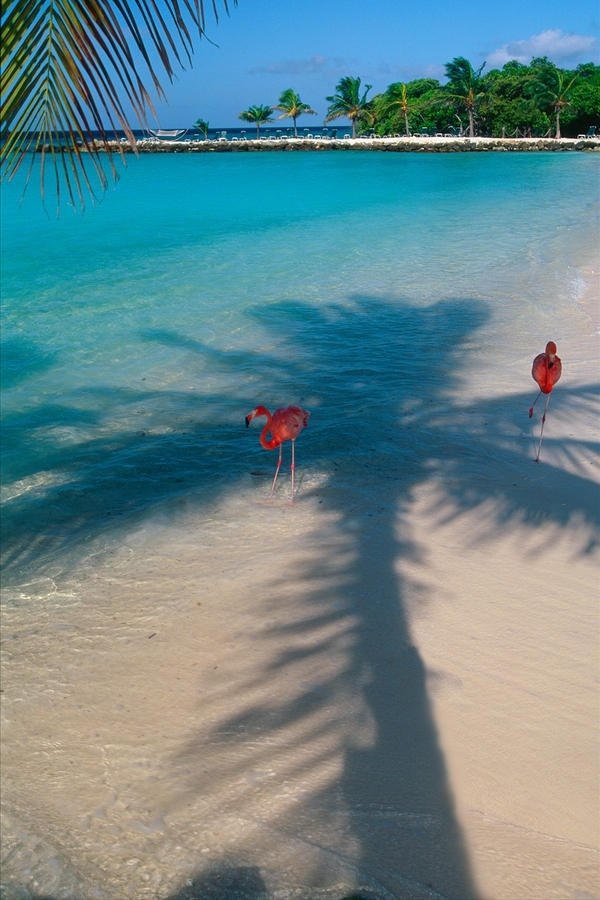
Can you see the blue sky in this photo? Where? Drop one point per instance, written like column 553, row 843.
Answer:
column 266, row 46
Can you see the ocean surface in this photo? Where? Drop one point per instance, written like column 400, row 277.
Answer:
column 400, row 298
column 137, row 334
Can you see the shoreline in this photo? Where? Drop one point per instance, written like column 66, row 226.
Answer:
column 437, row 144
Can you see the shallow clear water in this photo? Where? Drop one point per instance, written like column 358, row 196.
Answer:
column 137, row 335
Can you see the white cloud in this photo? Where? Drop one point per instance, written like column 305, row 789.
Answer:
column 312, row 66
column 553, row 43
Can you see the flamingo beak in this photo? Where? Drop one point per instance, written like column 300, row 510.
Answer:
column 248, row 420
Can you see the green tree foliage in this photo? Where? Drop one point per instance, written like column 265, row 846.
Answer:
column 465, row 86
column 506, row 108
column 515, row 101
column 584, row 111
column 70, row 66
column 551, row 88
column 257, row 115
column 395, row 106
column 291, row 106
column 349, row 103
column 417, row 106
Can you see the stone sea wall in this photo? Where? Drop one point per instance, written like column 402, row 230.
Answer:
column 395, row 144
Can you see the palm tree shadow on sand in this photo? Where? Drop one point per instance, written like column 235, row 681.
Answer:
column 378, row 378
column 341, row 712
column 393, row 784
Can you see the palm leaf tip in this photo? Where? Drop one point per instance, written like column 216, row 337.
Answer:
column 70, row 70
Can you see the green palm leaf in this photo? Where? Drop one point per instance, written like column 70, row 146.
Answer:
column 465, row 86
column 348, row 102
column 258, row 115
column 552, row 88
column 291, row 106
column 72, row 67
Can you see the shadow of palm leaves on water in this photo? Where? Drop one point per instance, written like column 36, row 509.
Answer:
column 20, row 360
column 97, row 469
column 104, row 461
column 79, row 473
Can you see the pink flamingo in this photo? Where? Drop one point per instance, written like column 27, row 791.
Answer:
column 546, row 371
column 284, row 425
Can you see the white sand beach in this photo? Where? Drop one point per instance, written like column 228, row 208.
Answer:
column 343, row 695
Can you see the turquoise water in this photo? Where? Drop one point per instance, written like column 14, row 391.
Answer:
column 138, row 334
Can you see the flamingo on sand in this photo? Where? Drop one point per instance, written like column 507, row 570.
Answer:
column 546, row 371
column 284, row 425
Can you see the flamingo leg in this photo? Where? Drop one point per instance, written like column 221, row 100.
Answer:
column 539, row 449
column 533, row 404
column 277, row 469
column 293, row 468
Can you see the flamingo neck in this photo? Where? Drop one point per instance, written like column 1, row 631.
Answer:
column 265, row 442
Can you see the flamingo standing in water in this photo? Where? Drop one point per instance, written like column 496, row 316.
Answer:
column 546, row 371
column 284, row 425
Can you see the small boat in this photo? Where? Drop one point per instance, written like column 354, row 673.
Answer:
column 167, row 135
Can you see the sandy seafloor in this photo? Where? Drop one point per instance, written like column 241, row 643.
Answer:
column 388, row 688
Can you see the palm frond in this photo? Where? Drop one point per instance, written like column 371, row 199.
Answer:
column 70, row 69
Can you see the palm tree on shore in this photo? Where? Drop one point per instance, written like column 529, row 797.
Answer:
column 72, row 71
column 291, row 106
column 202, row 126
column 257, row 115
column 348, row 102
column 464, row 86
column 552, row 89
column 395, row 100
